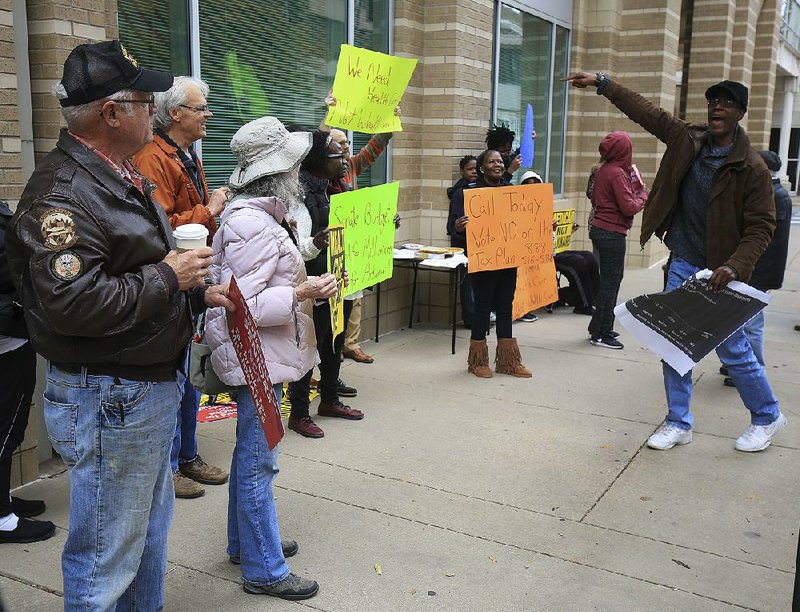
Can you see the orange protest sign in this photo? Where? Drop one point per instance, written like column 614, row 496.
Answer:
column 536, row 287
column 509, row 227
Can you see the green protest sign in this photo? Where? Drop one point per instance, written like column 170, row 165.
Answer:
column 367, row 216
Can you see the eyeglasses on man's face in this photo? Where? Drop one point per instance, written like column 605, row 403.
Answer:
column 725, row 102
column 203, row 108
column 335, row 155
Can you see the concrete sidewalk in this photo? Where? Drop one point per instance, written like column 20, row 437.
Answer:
column 503, row 494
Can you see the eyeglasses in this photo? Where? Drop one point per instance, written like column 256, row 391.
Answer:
column 336, row 155
column 204, row 108
column 149, row 101
column 725, row 102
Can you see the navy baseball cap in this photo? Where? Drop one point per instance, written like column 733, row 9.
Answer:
column 94, row 71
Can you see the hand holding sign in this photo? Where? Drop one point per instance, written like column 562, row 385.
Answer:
column 509, row 227
column 367, row 90
column 367, row 216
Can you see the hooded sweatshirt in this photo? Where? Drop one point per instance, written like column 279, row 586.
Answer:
column 615, row 197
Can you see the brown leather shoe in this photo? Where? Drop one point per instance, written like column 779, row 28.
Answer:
column 358, row 355
column 305, row 427
column 338, row 409
column 199, row 471
column 186, row 488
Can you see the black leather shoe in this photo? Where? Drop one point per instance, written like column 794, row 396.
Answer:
column 292, row 587
column 28, row 530
column 728, row 382
column 342, row 390
column 27, row 508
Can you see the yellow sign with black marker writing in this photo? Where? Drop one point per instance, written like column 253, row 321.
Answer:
column 336, row 267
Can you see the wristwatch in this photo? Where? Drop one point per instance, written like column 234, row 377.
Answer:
column 602, row 83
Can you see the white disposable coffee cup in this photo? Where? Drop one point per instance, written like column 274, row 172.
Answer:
column 190, row 236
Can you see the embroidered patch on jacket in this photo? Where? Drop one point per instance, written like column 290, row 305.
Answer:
column 58, row 229
column 66, row 265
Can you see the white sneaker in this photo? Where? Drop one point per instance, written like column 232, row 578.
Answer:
column 668, row 435
column 759, row 437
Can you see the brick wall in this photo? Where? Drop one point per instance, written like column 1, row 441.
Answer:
column 10, row 143
column 55, row 27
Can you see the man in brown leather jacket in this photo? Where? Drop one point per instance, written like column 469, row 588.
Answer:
column 107, row 303
column 712, row 204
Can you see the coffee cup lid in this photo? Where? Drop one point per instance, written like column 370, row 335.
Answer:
column 190, row 231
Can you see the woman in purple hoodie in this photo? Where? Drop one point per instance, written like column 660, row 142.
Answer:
column 617, row 196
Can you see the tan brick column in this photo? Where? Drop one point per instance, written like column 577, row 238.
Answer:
column 10, row 144
column 762, row 85
column 637, row 43
column 55, row 27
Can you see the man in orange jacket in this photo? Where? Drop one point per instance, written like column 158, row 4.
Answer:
column 170, row 162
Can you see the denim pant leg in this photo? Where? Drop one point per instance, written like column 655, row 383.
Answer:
column 184, row 443
column 749, row 377
column 253, row 531
column 114, row 435
column 678, row 388
column 754, row 330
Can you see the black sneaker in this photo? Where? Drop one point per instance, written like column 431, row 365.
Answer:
column 728, row 382
column 27, row 508
column 292, row 587
column 611, row 334
column 607, row 341
column 28, row 530
column 289, row 547
column 723, row 370
column 344, row 391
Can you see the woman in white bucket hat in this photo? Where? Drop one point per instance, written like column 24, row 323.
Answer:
column 256, row 244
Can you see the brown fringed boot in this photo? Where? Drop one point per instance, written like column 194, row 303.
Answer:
column 508, row 359
column 478, row 359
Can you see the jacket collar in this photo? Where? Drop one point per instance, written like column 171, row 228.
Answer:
column 271, row 205
column 95, row 166
column 315, row 184
column 741, row 146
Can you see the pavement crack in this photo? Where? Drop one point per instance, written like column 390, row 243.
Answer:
column 493, row 502
column 31, row 584
column 520, row 548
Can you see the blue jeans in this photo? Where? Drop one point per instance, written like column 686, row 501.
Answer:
column 754, row 330
column 184, row 443
column 114, row 435
column 736, row 354
column 252, row 520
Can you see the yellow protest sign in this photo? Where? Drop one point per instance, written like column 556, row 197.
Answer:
column 367, row 216
column 368, row 87
column 509, row 226
column 336, row 258
column 536, row 287
column 564, row 220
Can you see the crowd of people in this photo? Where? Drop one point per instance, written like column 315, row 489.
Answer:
column 91, row 273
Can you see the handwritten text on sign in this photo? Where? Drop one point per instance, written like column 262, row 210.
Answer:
column 368, row 87
column 367, row 216
column 509, row 227
column 336, row 267
column 564, row 220
column 244, row 335
column 536, row 287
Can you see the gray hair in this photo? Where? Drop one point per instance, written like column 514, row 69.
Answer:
column 77, row 117
column 174, row 97
column 285, row 186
